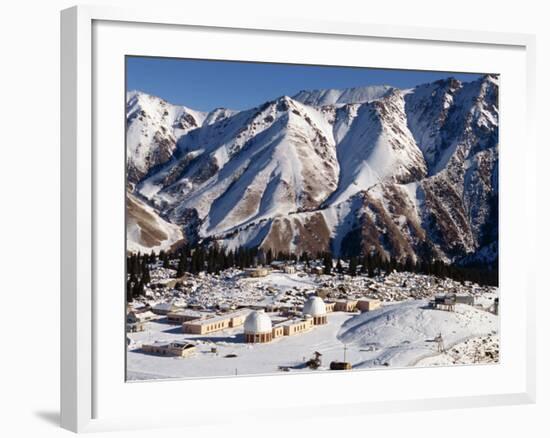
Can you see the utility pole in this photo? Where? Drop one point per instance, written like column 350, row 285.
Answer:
column 345, row 349
column 440, row 345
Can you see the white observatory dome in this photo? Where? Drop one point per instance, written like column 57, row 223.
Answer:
column 257, row 322
column 315, row 306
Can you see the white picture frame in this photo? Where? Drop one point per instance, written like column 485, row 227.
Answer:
column 92, row 397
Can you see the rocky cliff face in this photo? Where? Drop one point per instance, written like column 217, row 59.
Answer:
column 408, row 173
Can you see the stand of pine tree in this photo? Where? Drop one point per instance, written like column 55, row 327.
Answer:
column 213, row 259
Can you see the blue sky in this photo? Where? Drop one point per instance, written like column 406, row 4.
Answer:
column 205, row 85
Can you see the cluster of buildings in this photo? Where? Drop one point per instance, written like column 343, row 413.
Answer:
column 450, row 300
column 206, row 304
column 233, row 287
column 258, row 326
column 264, row 271
column 136, row 320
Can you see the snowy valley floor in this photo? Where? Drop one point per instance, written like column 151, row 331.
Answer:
column 396, row 335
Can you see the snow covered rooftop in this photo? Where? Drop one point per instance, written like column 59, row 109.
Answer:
column 257, row 322
column 314, row 306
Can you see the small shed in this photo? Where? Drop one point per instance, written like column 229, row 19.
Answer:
column 319, row 270
column 257, row 272
column 345, row 305
column 335, row 365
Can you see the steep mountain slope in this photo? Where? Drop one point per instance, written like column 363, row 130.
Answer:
column 462, row 195
column 146, row 231
column 152, row 129
column 452, row 214
column 377, row 147
column 272, row 160
column 445, row 114
column 411, row 173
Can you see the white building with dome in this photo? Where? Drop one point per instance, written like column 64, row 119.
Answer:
column 258, row 327
column 315, row 307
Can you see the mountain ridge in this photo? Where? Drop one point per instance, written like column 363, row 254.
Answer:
column 407, row 173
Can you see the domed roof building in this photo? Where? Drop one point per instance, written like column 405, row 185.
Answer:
column 315, row 307
column 258, row 327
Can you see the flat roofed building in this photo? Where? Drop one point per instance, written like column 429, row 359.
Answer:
column 205, row 326
column 278, row 331
column 181, row 316
column 133, row 316
column 238, row 318
column 298, row 325
column 289, row 269
column 444, row 302
column 345, row 305
column 136, row 306
column 257, row 272
column 329, row 306
column 368, row 304
column 465, row 299
column 162, row 308
column 181, row 349
column 216, row 323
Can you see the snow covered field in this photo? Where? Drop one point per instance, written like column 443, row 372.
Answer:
column 402, row 334
column 291, row 351
column 482, row 349
column 399, row 334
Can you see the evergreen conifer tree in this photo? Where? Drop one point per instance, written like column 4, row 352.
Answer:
column 327, row 263
column 352, row 270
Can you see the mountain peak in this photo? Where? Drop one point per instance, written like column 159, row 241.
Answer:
column 402, row 172
column 333, row 96
column 492, row 78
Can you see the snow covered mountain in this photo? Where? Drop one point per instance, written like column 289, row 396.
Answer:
column 376, row 147
column 153, row 128
column 347, row 95
column 146, row 231
column 409, row 173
